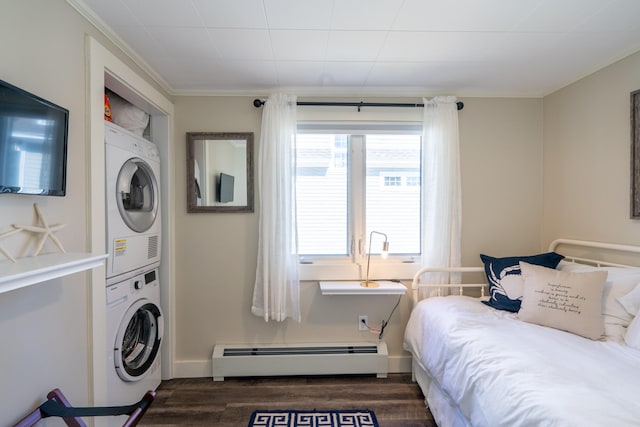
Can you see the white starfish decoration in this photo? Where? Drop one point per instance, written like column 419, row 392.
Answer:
column 45, row 230
column 3, row 250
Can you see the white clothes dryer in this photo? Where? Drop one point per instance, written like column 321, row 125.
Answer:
column 134, row 335
column 132, row 201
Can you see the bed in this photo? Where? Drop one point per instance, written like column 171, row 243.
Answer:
column 569, row 355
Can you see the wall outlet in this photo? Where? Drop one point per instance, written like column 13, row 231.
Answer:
column 363, row 321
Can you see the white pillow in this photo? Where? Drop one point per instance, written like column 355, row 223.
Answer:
column 570, row 302
column 632, row 337
column 127, row 115
column 631, row 301
column 620, row 282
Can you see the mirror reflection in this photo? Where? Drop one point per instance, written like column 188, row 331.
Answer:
column 220, row 172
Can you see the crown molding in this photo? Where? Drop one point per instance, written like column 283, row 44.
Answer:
column 87, row 13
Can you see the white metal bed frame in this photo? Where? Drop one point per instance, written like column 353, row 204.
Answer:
column 423, row 378
column 416, row 285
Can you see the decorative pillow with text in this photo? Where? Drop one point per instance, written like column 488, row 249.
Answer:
column 570, row 302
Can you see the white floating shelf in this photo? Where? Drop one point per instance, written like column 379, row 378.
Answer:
column 353, row 288
column 28, row 271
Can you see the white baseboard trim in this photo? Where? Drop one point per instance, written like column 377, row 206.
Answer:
column 202, row 368
column 400, row 364
column 192, row 368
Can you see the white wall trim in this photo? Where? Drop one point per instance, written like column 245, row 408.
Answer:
column 108, row 32
column 400, row 364
column 192, row 369
column 203, row 369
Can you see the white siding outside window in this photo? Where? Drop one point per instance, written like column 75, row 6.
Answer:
column 322, row 195
column 393, row 208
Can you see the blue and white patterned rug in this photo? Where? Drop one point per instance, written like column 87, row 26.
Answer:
column 345, row 418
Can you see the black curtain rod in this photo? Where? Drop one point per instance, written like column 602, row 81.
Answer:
column 260, row 102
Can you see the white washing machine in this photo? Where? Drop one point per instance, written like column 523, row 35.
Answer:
column 132, row 201
column 134, row 334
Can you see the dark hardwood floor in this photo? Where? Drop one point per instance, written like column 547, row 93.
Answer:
column 396, row 401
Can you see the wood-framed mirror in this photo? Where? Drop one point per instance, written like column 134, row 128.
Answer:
column 219, row 171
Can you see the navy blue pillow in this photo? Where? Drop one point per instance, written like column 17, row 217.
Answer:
column 505, row 282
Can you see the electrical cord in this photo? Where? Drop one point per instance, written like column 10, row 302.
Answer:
column 386, row 322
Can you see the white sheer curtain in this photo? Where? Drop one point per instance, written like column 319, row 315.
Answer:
column 276, row 291
column 441, row 193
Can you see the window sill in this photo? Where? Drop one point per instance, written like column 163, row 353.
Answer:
column 354, row 288
column 352, row 272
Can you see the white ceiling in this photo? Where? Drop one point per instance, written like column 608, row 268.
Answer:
column 372, row 47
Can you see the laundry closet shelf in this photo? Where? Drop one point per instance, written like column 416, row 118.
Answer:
column 29, row 271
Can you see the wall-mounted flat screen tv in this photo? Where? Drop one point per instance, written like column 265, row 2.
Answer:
column 33, row 143
column 225, row 193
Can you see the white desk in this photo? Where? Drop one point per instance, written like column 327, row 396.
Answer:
column 353, row 288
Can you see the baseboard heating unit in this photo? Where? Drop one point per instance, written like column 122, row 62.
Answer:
column 236, row 360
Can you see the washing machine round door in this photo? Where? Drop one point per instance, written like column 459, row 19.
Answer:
column 137, row 195
column 138, row 340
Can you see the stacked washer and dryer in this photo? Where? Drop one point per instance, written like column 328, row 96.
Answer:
column 134, row 318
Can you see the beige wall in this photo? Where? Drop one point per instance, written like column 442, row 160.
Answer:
column 216, row 253
column 501, row 162
column 45, row 328
column 587, row 157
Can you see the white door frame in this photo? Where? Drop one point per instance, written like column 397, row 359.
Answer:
column 105, row 69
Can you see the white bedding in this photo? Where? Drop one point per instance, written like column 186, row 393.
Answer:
column 501, row 371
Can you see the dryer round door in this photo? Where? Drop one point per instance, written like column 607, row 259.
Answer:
column 137, row 195
column 138, row 340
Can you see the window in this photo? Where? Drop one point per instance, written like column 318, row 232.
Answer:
column 351, row 183
column 413, row 181
column 322, row 198
column 391, row 207
column 392, row 181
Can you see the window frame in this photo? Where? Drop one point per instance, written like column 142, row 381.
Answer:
column 353, row 266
